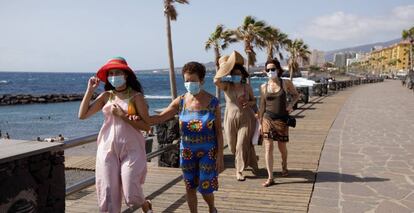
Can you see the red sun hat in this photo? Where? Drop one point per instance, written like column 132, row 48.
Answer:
column 113, row 63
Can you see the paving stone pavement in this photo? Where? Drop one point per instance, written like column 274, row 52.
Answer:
column 367, row 163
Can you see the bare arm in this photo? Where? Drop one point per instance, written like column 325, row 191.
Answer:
column 142, row 107
column 262, row 105
column 291, row 89
column 86, row 108
column 167, row 114
column 252, row 99
column 219, row 135
column 220, row 84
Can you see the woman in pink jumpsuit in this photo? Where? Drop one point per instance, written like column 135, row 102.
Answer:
column 121, row 163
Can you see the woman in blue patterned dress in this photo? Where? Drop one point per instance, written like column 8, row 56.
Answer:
column 201, row 147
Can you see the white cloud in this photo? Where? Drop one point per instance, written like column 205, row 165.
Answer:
column 351, row 28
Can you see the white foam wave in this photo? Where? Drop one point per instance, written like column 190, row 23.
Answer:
column 157, row 97
column 4, row 82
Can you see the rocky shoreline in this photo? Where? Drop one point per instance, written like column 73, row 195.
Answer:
column 9, row 99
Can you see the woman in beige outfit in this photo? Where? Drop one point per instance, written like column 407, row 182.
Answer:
column 239, row 117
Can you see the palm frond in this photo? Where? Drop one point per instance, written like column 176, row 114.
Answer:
column 208, row 44
column 170, row 10
column 182, row 1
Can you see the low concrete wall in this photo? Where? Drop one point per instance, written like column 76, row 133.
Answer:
column 33, row 184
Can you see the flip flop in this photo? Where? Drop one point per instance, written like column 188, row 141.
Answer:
column 268, row 183
column 240, row 177
column 149, row 207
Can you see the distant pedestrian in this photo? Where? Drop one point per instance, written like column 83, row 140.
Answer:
column 61, row 138
column 0, row 134
column 38, row 139
column 7, row 135
column 121, row 163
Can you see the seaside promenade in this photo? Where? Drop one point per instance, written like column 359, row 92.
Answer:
column 367, row 163
column 352, row 151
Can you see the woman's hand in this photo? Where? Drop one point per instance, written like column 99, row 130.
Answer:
column 243, row 102
column 117, row 111
column 220, row 162
column 289, row 108
column 134, row 117
column 93, row 83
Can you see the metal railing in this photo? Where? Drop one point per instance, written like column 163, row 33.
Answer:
column 92, row 138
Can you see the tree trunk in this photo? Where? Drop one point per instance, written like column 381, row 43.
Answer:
column 269, row 53
column 217, row 55
column 291, row 67
column 248, row 52
column 248, row 66
column 173, row 86
column 411, row 55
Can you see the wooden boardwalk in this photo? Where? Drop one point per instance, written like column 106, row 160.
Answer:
column 164, row 186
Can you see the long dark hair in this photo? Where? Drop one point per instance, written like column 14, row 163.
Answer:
column 276, row 62
column 131, row 81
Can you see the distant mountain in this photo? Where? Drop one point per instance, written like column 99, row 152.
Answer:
column 362, row 48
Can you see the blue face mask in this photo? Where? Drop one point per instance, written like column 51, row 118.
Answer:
column 193, row 87
column 116, row 80
column 236, row 78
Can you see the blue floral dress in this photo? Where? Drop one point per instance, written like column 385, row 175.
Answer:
column 198, row 148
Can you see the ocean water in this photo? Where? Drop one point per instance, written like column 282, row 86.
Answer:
column 28, row 122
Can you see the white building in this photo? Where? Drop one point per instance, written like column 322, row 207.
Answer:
column 317, row 58
column 340, row 59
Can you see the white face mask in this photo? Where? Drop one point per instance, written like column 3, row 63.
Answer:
column 272, row 74
column 117, row 80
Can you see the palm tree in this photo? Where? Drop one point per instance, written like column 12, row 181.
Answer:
column 409, row 34
column 251, row 32
column 298, row 51
column 171, row 15
column 219, row 40
column 274, row 40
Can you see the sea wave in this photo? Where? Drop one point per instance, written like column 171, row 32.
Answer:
column 4, row 82
column 157, row 97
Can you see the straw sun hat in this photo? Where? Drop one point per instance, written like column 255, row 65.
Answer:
column 227, row 63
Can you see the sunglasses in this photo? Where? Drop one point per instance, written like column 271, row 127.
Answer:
column 272, row 69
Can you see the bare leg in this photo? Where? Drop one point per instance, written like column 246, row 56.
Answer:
column 269, row 157
column 209, row 198
column 192, row 200
column 284, row 154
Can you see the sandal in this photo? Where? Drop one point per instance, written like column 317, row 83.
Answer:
column 268, row 183
column 240, row 177
column 149, row 207
column 285, row 171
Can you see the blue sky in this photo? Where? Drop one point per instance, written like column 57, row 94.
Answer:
column 79, row 36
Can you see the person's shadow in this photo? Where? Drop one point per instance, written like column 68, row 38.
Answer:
column 324, row 176
column 308, row 176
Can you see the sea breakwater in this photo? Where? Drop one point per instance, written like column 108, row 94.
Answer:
column 10, row 99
